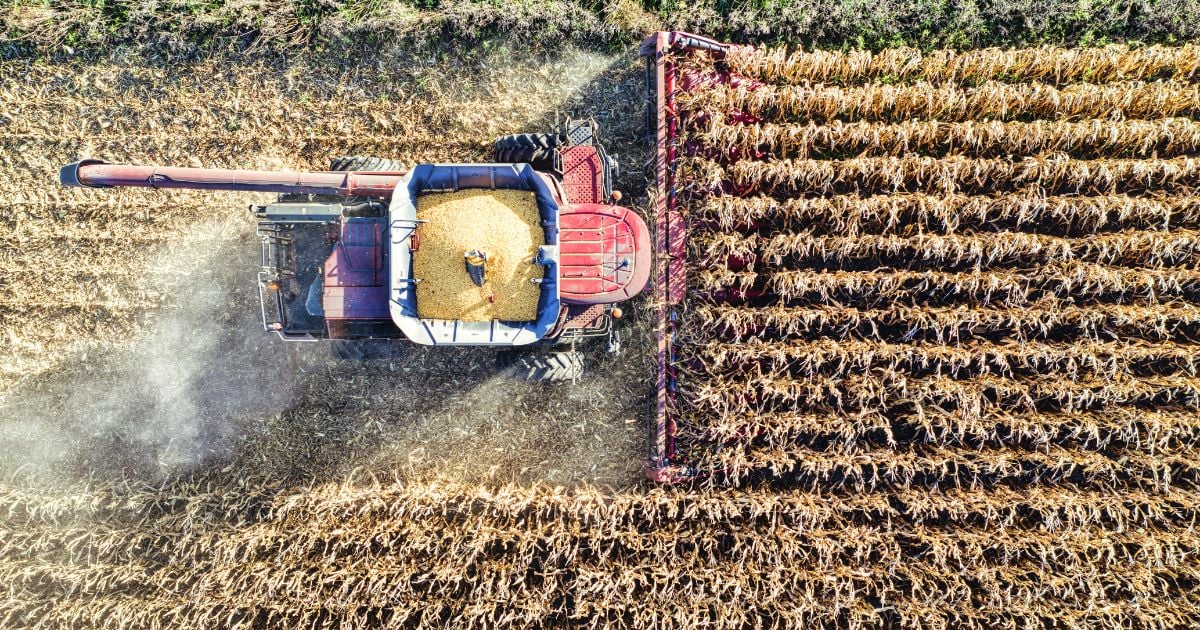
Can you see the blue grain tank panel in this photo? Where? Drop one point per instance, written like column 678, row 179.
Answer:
column 439, row 178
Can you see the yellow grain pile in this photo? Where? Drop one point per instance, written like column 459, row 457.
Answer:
column 504, row 224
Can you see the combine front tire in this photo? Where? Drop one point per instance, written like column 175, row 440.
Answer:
column 527, row 148
column 541, row 366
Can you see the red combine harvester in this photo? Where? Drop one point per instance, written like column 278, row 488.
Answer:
column 664, row 81
column 338, row 247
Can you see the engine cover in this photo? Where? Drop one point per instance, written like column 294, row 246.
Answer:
column 604, row 254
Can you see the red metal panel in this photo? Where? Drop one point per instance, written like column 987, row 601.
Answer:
column 355, row 276
column 355, row 303
column 580, row 247
column 605, row 254
column 581, row 316
column 670, row 234
column 593, row 259
column 583, row 174
column 590, row 272
column 579, row 234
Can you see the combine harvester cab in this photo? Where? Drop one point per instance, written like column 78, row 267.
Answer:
column 664, row 82
column 338, row 246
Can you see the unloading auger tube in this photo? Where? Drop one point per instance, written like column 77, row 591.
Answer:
column 337, row 247
column 100, row 174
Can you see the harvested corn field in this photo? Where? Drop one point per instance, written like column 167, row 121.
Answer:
column 505, row 227
column 130, row 321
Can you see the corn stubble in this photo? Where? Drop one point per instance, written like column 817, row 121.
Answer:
column 948, row 380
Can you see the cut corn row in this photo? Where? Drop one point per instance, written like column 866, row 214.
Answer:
column 265, row 512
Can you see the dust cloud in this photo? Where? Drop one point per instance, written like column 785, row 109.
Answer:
column 173, row 396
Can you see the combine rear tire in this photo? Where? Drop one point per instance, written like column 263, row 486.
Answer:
column 541, row 366
column 347, row 163
column 359, row 163
column 527, row 148
column 367, row 349
column 364, row 163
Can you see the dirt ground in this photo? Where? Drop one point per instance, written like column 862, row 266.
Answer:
column 130, row 321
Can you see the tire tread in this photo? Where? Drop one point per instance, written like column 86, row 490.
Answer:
column 541, row 366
